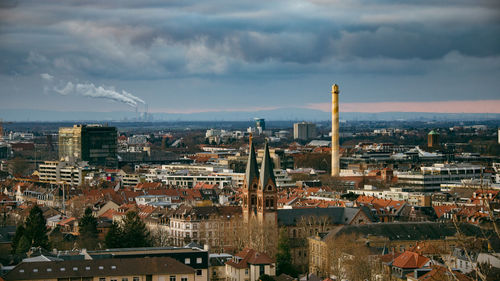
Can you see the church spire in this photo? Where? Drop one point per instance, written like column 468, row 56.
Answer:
column 252, row 170
column 266, row 170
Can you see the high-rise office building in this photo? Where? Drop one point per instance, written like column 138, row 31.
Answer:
column 93, row 143
column 304, row 130
column 433, row 139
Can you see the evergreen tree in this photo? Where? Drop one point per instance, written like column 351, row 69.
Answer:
column 17, row 237
column 36, row 229
column 132, row 232
column 135, row 233
column 114, row 237
column 23, row 246
column 283, row 256
column 88, row 230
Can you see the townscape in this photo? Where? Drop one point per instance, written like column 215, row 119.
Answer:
column 222, row 140
column 409, row 201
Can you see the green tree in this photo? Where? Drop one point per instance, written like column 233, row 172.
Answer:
column 17, row 237
column 36, row 229
column 88, row 230
column 114, row 237
column 132, row 232
column 23, row 246
column 135, row 233
column 283, row 256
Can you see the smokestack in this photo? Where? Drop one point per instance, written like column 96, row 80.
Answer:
column 335, row 131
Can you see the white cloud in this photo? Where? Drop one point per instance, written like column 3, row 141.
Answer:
column 47, row 76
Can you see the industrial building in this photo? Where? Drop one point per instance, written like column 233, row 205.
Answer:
column 431, row 178
column 93, row 143
column 304, row 131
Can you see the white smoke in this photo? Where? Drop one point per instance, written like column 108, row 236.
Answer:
column 90, row 90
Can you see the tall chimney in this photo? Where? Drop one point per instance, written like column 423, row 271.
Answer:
column 335, row 131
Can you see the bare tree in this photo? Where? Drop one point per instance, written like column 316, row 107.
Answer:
column 160, row 236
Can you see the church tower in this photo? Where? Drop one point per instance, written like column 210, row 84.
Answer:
column 250, row 185
column 267, row 193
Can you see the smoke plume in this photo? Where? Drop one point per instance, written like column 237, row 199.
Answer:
column 90, row 90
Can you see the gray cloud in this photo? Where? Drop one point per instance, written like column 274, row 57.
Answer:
column 222, row 42
column 155, row 39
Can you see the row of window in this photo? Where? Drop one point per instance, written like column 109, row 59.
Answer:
column 188, row 260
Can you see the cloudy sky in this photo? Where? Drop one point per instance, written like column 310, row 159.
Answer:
column 193, row 56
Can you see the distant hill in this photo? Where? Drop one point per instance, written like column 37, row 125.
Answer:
column 281, row 114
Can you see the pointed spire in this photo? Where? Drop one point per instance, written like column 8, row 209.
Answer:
column 266, row 170
column 252, row 170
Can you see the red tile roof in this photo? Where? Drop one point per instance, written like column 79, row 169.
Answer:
column 249, row 256
column 410, row 260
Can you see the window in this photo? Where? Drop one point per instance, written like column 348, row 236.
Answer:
column 101, row 267
column 49, row 269
column 246, row 271
column 87, row 268
column 187, row 260
column 35, row 269
column 113, row 267
column 261, row 270
column 184, row 279
column 75, row 268
column 63, row 269
column 102, row 279
column 172, row 278
column 135, row 279
column 199, row 272
column 198, row 260
column 124, row 279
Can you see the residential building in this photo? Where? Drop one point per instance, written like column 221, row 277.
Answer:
column 130, row 269
column 304, row 130
column 249, row 265
column 62, row 172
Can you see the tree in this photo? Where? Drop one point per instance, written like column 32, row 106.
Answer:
column 17, row 237
column 36, row 228
column 23, row 246
column 88, row 230
column 132, row 232
column 283, row 255
column 32, row 234
column 135, row 233
column 114, row 237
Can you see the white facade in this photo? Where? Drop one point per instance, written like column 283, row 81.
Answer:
column 57, row 172
column 432, row 177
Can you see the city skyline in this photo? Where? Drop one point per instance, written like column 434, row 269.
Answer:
column 192, row 57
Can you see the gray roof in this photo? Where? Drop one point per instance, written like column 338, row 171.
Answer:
column 337, row 215
column 7, row 233
column 411, row 231
column 266, row 170
column 252, row 170
column 104, row 267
